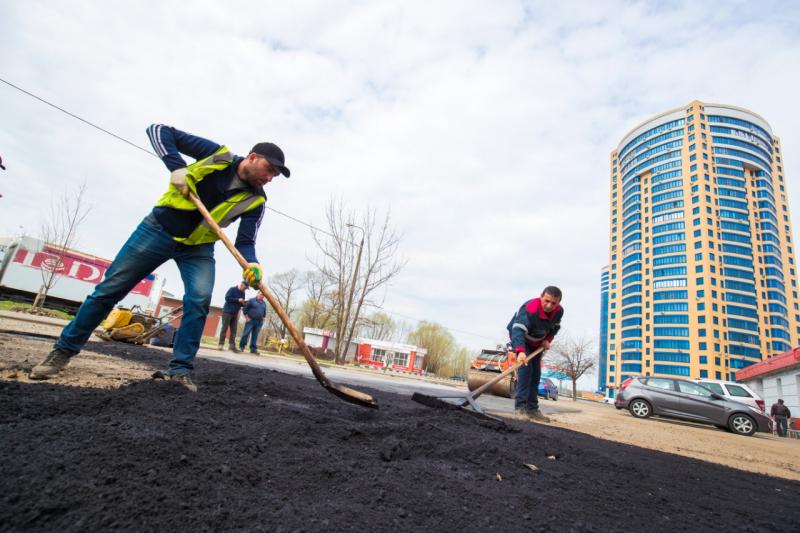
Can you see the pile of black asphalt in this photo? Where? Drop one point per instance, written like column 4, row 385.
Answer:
column 257, row 450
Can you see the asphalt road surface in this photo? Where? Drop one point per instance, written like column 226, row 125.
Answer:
column 389, row 382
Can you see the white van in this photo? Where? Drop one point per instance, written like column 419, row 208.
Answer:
column 738, row 392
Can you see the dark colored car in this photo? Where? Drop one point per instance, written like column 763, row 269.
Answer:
column 687, row 400
column 548, row 389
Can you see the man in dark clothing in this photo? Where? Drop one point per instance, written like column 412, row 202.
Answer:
column 781, row 415
column 234, row 299
column 533, row 326
column 254, row 312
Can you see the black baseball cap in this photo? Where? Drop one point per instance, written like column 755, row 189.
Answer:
column 272, row 153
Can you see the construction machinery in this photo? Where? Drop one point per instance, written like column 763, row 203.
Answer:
column 135, row 326
column 467, row 402
column 486, row 366
column 276, row 344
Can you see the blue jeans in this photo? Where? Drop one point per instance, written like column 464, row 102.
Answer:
column 149, row 247
column 251, row 327
column 527, row 394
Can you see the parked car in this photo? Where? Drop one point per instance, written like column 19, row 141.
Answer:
column 738, row 392
column 687, row 400
column 548, row 389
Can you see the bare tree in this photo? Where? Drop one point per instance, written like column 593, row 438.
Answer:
column 378, row 326
column 285, row 286
column 59, row 232
column 320, row 305
column 355, row 277
column 573, row 357
column 402, row 329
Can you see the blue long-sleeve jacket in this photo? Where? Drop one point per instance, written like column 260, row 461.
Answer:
column 232, row 297
column 169, row 143
column 255, row 309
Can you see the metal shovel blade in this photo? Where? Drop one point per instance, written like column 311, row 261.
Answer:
column 353, row 396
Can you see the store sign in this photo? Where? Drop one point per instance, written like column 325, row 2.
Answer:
column 72, row 265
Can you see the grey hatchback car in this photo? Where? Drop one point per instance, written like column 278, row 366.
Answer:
column 687, row 400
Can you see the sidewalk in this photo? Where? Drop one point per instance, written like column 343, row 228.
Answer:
column 208, row 350
column 34, row 319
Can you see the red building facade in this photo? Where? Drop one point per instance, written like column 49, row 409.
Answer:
column 213, row 320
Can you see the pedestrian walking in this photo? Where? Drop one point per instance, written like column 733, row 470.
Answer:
column 533, row 326
column 255, row 309
column 234, row 300
column 231, row 187
column 781, row 415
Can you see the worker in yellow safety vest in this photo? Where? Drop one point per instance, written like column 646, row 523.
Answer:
column 231, row 187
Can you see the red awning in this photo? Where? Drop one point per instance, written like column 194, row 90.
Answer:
column 768, row 366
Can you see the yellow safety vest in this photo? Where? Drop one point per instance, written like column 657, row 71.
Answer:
column 223, row 213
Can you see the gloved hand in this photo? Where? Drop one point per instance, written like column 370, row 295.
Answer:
column 178, row 179
column 252, row 275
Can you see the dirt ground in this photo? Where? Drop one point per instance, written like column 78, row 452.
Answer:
column 105, row 447
column 761, row 453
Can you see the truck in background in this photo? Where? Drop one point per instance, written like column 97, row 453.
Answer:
column 23, row 259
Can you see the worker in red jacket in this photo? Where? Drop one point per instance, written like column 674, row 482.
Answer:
column 533, row 326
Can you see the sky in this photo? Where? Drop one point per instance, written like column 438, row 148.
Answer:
column 483, row 129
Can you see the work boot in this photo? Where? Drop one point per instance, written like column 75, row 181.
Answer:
column 254, row 352
column 535, row 414
column 54, row 363
column 234, row 349
column 220, row 347
column 185, row 380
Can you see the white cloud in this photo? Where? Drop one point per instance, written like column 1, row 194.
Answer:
column 485, row 127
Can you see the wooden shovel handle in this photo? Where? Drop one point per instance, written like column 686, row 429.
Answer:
column 312, row 362
column 480, row 390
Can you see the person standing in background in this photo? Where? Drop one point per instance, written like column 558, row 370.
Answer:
column 255, row 310
column 781, row 415
column 234, row 300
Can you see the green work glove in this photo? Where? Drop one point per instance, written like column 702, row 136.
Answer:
column 252, row 275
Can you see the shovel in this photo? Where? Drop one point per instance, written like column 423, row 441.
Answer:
column 345, row 393
column 467, row 402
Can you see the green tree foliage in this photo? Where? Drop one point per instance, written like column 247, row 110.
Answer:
column 318, row 310
column 378, row 326
column 315, row 314
column 445, row 358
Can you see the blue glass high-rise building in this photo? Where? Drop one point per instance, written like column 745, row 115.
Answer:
column 603, row 355
column 702, row 274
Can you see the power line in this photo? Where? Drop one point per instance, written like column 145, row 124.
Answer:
column 290, row 217
column 493, row 339
column 145, row 150
column 77, row 117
